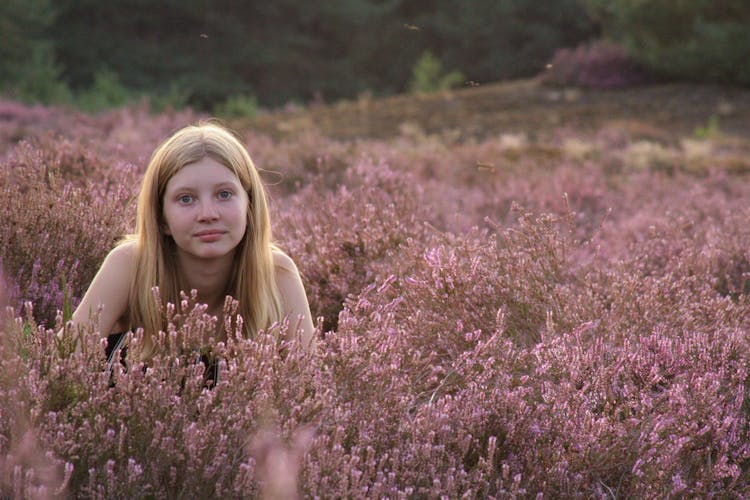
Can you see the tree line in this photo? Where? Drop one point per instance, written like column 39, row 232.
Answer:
column 200, row 52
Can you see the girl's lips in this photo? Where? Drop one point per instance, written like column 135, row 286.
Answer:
column 209, row 236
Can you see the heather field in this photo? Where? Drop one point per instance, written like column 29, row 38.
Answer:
column 537, row 311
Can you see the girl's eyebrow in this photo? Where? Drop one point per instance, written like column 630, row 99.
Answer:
column 225, row 183
column 215, row 186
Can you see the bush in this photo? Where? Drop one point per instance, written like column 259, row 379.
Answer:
column 428, row 76
column 237, row 106
column 106, row 92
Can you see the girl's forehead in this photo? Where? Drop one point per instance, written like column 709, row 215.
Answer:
column 204, row 170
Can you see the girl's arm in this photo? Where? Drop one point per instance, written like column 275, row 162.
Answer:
column 294, row 298
column 108, row 292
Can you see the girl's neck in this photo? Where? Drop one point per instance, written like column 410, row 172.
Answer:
column 210, row 277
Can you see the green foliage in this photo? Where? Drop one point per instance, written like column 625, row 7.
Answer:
column 106, row 92
column 28, row 69
column 67, row 303
column 197, row 53
column 175, row 97
column 237, row 106
column 22, row 25
column 289, row 50
column 694, row 40
column 711, row 130
column 38, row 80
column 428, row 76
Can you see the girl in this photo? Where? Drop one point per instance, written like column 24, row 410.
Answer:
column 202, row 224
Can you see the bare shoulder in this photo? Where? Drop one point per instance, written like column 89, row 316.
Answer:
column 121, row 260
column 288, row 279
column 124, row 253
column 292, row 294
column 282, row 261
column 108, row 292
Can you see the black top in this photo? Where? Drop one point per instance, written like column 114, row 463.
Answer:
column 116, row 341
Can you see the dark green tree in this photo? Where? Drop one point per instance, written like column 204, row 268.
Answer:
column 706, row 40
column 278, row 50
column 28, row 68
column 296, row 50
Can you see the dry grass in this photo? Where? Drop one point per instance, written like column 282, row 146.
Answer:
column 669, row 111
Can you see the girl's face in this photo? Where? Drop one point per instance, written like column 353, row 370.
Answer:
column 205, row 210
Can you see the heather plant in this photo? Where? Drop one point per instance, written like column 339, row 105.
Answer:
column 410, row 350
column 600, row 64
column 130, row 134
column 393, row 440
column 591, row 344
column 312, row 159
column 123, row 135
column 562, row 416
column 106, row 430
column 375, row 214
column 58, row 222
column 18, row 121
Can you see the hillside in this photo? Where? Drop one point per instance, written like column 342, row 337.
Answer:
column 522, row 106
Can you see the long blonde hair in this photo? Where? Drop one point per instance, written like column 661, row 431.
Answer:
column 252, row 281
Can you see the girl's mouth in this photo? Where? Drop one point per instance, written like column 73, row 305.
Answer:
column 209, row 236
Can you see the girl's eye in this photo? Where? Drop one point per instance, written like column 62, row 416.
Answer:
column 225, row 195
column 185, row 199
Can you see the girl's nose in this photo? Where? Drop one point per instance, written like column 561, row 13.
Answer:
column 208, row 212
